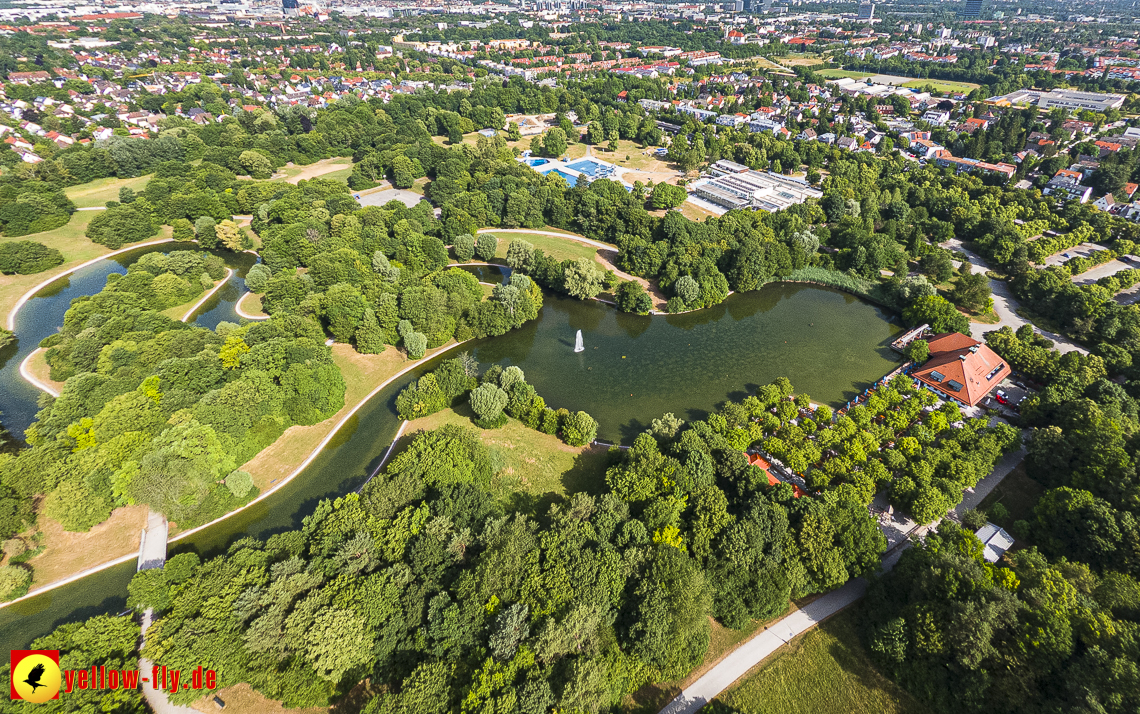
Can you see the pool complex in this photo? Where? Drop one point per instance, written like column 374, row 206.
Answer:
column 571, row 181
column 588, row 167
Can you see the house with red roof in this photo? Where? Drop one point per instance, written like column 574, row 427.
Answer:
column 961, row 368
column 761, row 463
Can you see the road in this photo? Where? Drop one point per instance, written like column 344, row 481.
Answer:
column 694, row 697
column 1005, row 306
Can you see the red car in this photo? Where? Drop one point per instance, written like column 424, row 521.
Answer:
column 1000, row 396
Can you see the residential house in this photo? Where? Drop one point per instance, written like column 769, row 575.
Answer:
column 1066, row 185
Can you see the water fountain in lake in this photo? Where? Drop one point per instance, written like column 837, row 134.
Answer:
column 579, row 346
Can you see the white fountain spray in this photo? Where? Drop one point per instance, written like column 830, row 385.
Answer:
column 579, row 346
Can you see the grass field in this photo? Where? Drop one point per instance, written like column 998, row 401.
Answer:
column 99, row 191
column 69, row 240
column 555, row 247
column 536, row 468
column 694, row 212
column 638, row 159
column 942, row 85
column 317, row 169
column 250, row 303
column 801, row 62
column 824, row 671
column 66, row 553
column 841, row 73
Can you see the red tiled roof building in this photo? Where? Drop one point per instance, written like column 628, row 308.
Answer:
column 961, row 368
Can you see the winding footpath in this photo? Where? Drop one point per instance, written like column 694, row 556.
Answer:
column 1005, row 306
column 737, row 664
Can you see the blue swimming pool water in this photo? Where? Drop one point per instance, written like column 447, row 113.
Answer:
column 586, row 166
column 537, row 162
column 571, row 181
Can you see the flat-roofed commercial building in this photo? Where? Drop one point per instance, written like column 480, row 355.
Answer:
column 736, row 186
column 1063, row 98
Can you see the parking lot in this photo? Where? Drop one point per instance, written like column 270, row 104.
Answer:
column 1014, row 390
column 1084, row 249
column 1110, row 268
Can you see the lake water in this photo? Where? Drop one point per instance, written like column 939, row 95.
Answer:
column 829, row 344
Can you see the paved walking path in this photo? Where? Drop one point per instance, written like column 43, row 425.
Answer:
column 152, row 554
column 694, row 697
column 1005, row 305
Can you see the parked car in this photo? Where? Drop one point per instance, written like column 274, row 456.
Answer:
column 1001, row 397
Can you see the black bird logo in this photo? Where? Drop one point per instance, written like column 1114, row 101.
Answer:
column 34, row 677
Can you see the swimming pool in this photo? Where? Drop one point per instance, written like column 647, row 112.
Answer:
column 571, row 181
column 588, row 167
column 537, row 162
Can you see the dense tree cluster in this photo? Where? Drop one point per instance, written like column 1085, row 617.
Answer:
column 426, row 584
column 367, row 270
column 32, row 206
column 25, row 257
column 1026, row 635
column 160, row 412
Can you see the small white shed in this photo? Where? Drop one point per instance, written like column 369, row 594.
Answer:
column 995, row 540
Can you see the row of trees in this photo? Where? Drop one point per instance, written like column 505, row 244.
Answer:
column 494, row 396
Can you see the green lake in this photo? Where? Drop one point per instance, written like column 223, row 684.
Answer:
column 831, row 345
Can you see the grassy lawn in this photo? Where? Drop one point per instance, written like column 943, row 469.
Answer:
column 942, row 85
column 250, row 303
column 362, row 374
column 557, row 248
column 67, row 553
column 638, row 159
column 99, row 191
column 69, row 240
column 804, row 61
column 41, row 370
column 694, row 212
column 841, row 73
column 823, row 671
column 339, row 175
column 536, row 468
column 1018, row 493
column 294, row 174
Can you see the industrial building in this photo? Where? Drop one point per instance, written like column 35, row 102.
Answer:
column 735, row 186
column 1063, row 98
